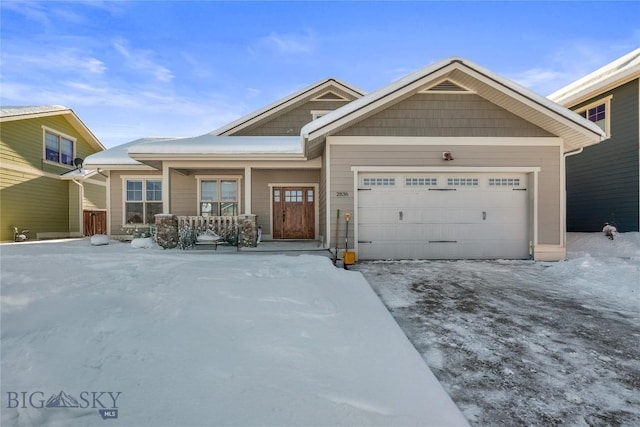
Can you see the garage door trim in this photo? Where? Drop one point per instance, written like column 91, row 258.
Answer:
column 534, row 170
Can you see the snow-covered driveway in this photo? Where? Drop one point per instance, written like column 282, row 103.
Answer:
column 519, row 343
column 175, row 338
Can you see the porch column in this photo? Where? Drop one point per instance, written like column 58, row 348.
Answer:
column 247, row 190
column 166, row 189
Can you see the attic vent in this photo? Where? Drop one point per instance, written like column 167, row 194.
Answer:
column 329, row 96
column 446, row 86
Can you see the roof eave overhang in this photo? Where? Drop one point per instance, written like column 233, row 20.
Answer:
column 213, row 157
column 70, row 115
column 592, row 91
column 116, row 166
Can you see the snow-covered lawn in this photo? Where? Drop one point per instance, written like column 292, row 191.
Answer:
column 201, row 338
column 518, row 343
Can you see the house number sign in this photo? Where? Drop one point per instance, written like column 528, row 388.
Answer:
column 342, row 194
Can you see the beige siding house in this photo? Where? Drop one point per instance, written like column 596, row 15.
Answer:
column 450, row 162
column 41, row 187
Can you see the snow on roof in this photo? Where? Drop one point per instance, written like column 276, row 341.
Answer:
column 372, row 97
column 208, row 144
column 211, row 143
column 118, row 155
column 13, row 111
column 618, row 70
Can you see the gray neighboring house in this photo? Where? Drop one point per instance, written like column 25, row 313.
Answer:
column 603, row 180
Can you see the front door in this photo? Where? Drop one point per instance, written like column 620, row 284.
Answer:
column 294, row 212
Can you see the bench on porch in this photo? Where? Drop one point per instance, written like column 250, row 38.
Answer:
column 210, row 230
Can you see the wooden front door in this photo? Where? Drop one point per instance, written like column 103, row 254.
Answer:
column 95, row 222
column 294, row 213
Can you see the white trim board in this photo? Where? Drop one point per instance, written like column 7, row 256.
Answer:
column 428, row 140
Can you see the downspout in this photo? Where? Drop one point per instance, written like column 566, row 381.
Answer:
column 564, row 188
column 80, row 202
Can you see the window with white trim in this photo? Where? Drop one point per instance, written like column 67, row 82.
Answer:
column 218, row 197
column 58, row 148
column 598, row 112
column 143, row 200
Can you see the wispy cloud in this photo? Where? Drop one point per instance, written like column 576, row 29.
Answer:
column 61, row 59
column 142, row 60
column 568, row 62
column 290, row 43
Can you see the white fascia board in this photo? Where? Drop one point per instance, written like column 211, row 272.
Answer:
column 240, row 164
column 552, row 141
column 216, row 157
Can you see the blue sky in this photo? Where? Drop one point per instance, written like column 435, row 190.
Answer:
column 131, row 69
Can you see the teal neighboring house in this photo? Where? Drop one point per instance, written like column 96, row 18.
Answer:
column 603, row 180
column 43, row 187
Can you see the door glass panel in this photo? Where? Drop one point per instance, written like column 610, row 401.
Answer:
column 276, row 195
column 310, row 196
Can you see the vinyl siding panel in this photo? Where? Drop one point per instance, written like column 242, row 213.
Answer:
column 444, row 115
column 261, row 197
column 602, row 181
column 37, row 203
column 343, row 157
column 95, row 196
column 290, row 122
column 184, row 194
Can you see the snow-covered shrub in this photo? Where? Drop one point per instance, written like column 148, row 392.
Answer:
column 187, row 237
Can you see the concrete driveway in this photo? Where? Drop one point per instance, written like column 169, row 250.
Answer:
column 515, row 345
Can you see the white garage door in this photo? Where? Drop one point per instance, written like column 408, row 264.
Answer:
column 443, row 216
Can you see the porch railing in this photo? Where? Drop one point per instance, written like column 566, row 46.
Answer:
column 217, row 224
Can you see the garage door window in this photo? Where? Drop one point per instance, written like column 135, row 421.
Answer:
column 462, row 182
column 379, row 182
column 420, row 182
column 504, row 182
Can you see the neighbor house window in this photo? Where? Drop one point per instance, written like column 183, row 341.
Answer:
column 598, row 112
column 58, row 148
column 218, row 197
column 143, row 200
